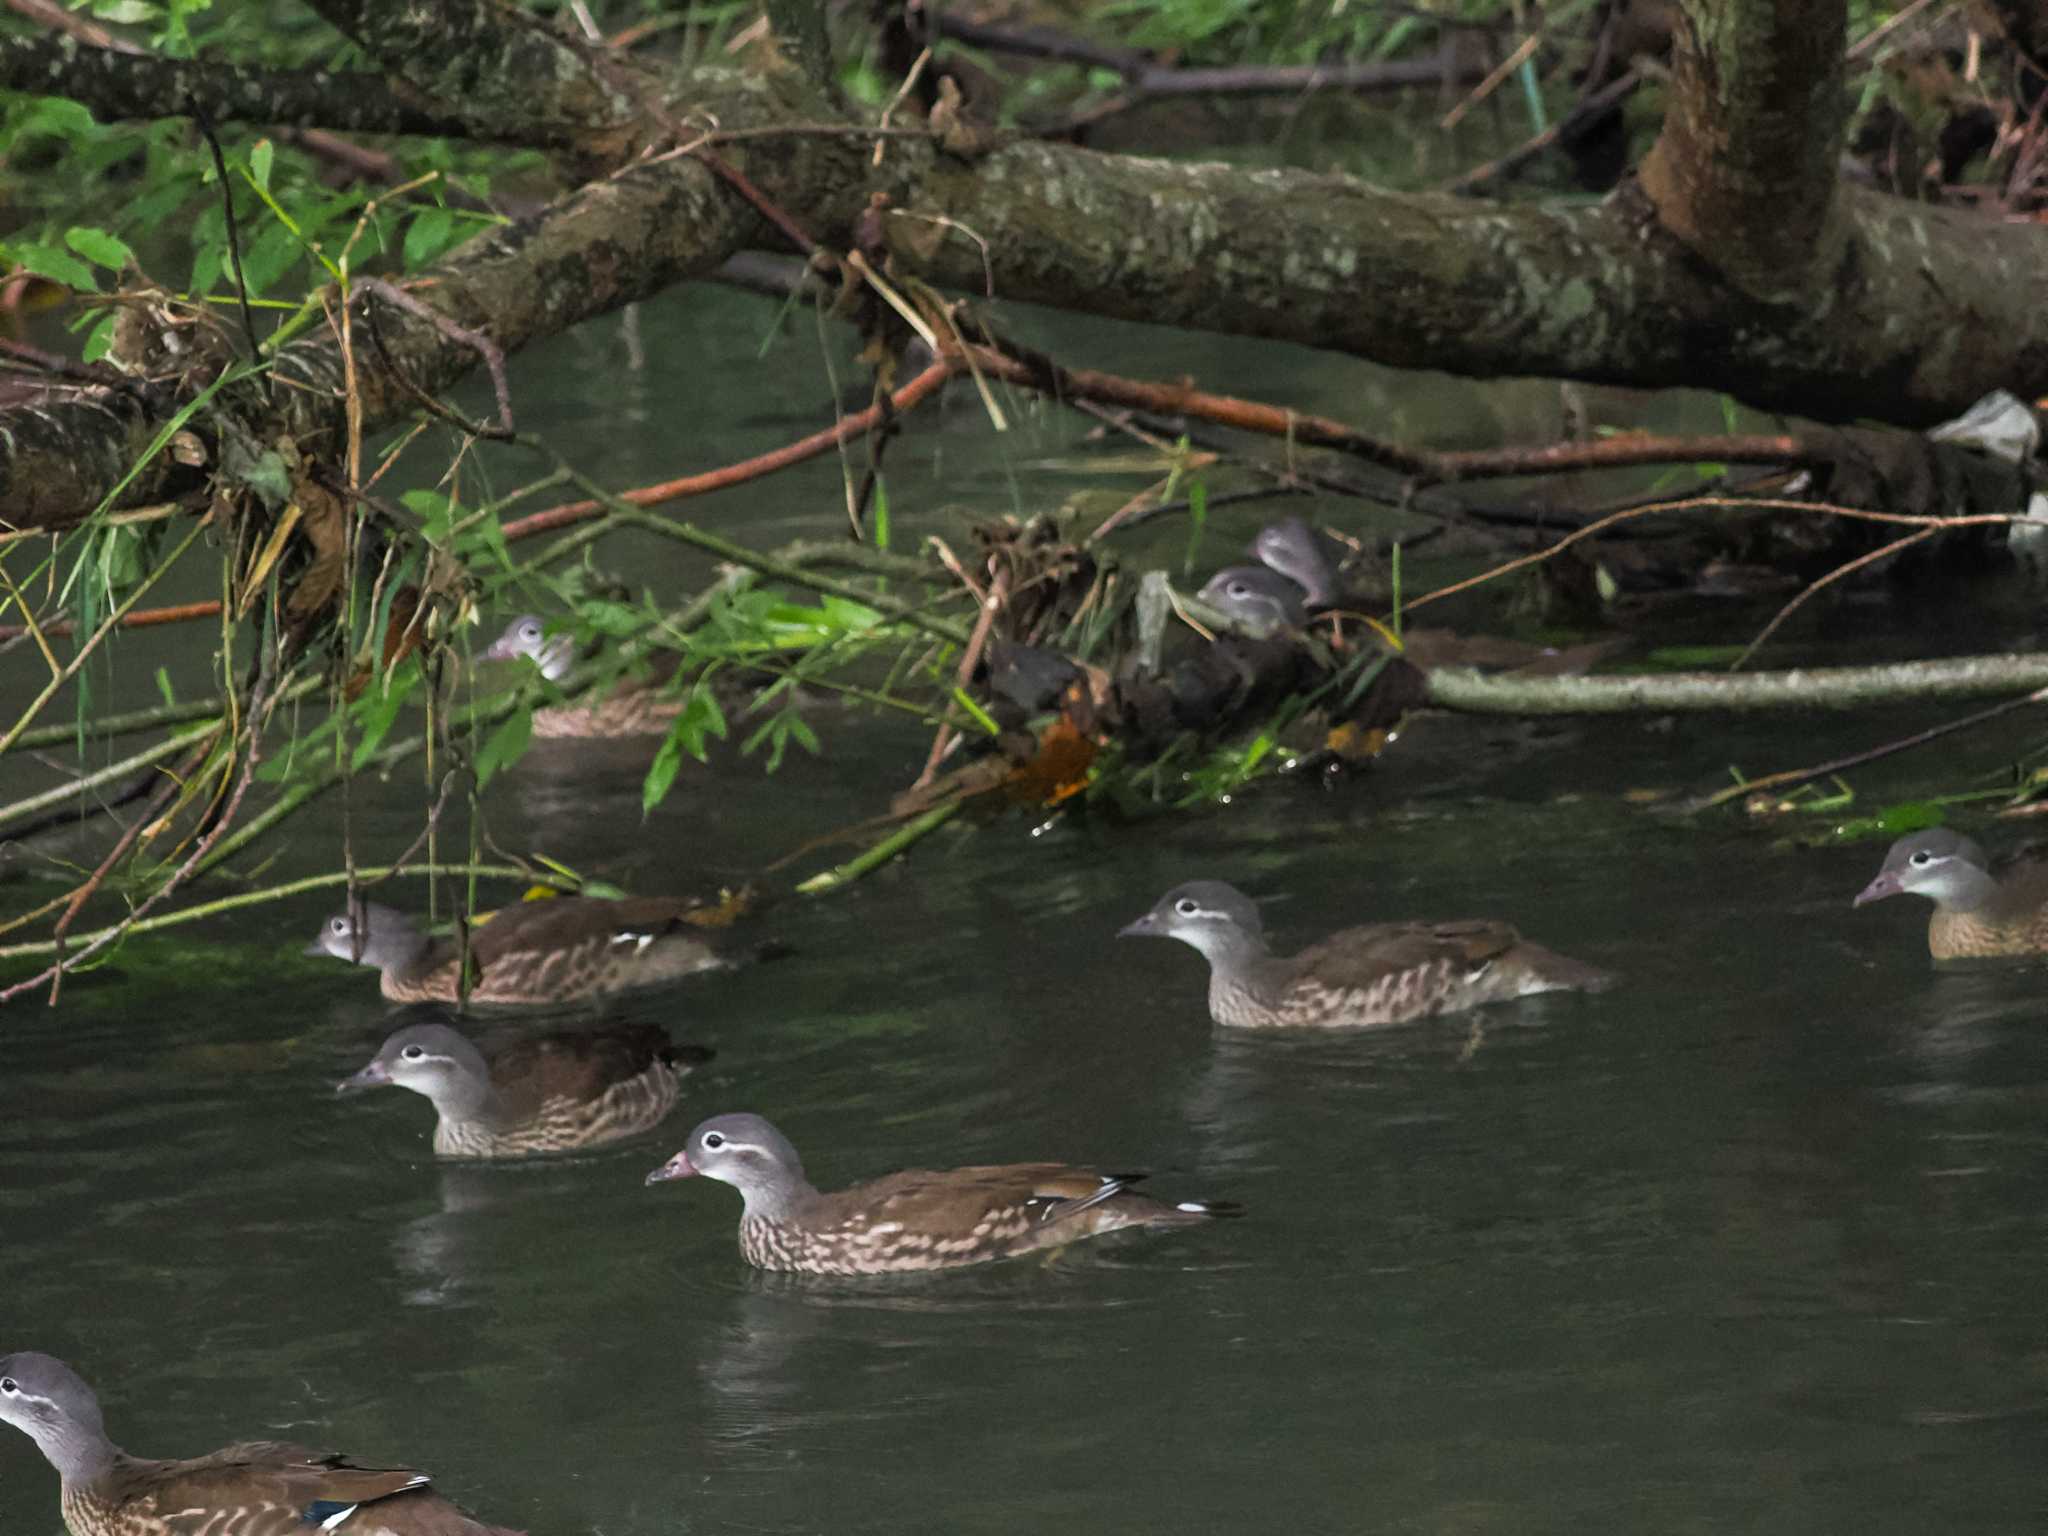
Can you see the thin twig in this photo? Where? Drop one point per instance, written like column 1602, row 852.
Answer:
column 106, row 627
column 844, row 429
column 1848, row 567
column 970, row 657
column 1692, row 503
column 887, row 849
column 252, row 754
column 242, row 899
column 204, row 124
column 1795, row 776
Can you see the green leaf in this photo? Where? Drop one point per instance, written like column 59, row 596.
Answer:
column 435, row 512
column 97, row 246
column 100, row 341
column 701, row 718
column 801, row 730
column 163, row 686
column 427, row 236
column 275, row 252
column 661, row 773
column 59, row 117
column 58, row 266
column 207, row 261
column 379, row 709
column 266, row 475
column 881, row 515
column 507, row 744
column 1198, row 520
column 259, row 162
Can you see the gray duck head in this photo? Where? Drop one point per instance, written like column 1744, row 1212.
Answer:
column 1218, row 919
column 1942, row 865
column 1302, row 555
column 1258, row 599
column 744, row 1151
column 50, row 1403
column 386, row 940
column 527, row 636
column 431, row 1059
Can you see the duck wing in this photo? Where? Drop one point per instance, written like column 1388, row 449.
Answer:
column 1359, row 958
column 577, row 1064
column 275, row 1488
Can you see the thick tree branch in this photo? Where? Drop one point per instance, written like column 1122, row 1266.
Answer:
column 799, row 27
column 1414, row 280
column 1421, row 280
column 1745, row 170
column 497, row 68
column 119, row 84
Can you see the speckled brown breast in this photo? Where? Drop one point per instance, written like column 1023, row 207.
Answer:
column 627, row 1108
column 628, row 710
column 85, row 1514
column 1976, row 936
column 862, row 1241
column 1420, row 992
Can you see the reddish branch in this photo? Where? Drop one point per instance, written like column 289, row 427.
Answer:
column 842, row 431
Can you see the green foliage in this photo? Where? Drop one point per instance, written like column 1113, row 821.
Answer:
column 505, row 745
column 701, row 719
column 161, row 206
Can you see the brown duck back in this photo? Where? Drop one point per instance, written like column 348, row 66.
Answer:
column 1389, row 973
column 259, row 1488
column 924, row 1219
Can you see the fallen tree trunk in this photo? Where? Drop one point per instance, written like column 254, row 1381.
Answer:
column 1923, row 312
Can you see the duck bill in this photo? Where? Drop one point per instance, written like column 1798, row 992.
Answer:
column 677, row 1167
column 1145, row 926
column 1886, row 884
column 375, row 1075
column 504, row 648
column 314, row 949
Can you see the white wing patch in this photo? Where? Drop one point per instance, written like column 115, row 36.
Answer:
column 337, row 1517
column 639, row 941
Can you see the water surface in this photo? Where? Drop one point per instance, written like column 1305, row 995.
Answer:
column 1753, row 1242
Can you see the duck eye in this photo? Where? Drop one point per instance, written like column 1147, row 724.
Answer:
column 9, row 1385
column 413, row 1052
column 1187, row 906
column 1921, row 859
column 713, row 1142
column 1238, row 589
column 338, row 924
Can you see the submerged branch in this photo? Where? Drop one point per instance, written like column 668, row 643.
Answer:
column 1957, row 677
column 896, row 842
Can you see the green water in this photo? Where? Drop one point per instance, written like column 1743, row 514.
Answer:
column 1752, row 1243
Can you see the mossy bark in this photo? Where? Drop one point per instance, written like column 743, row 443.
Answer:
column 1911, row 313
